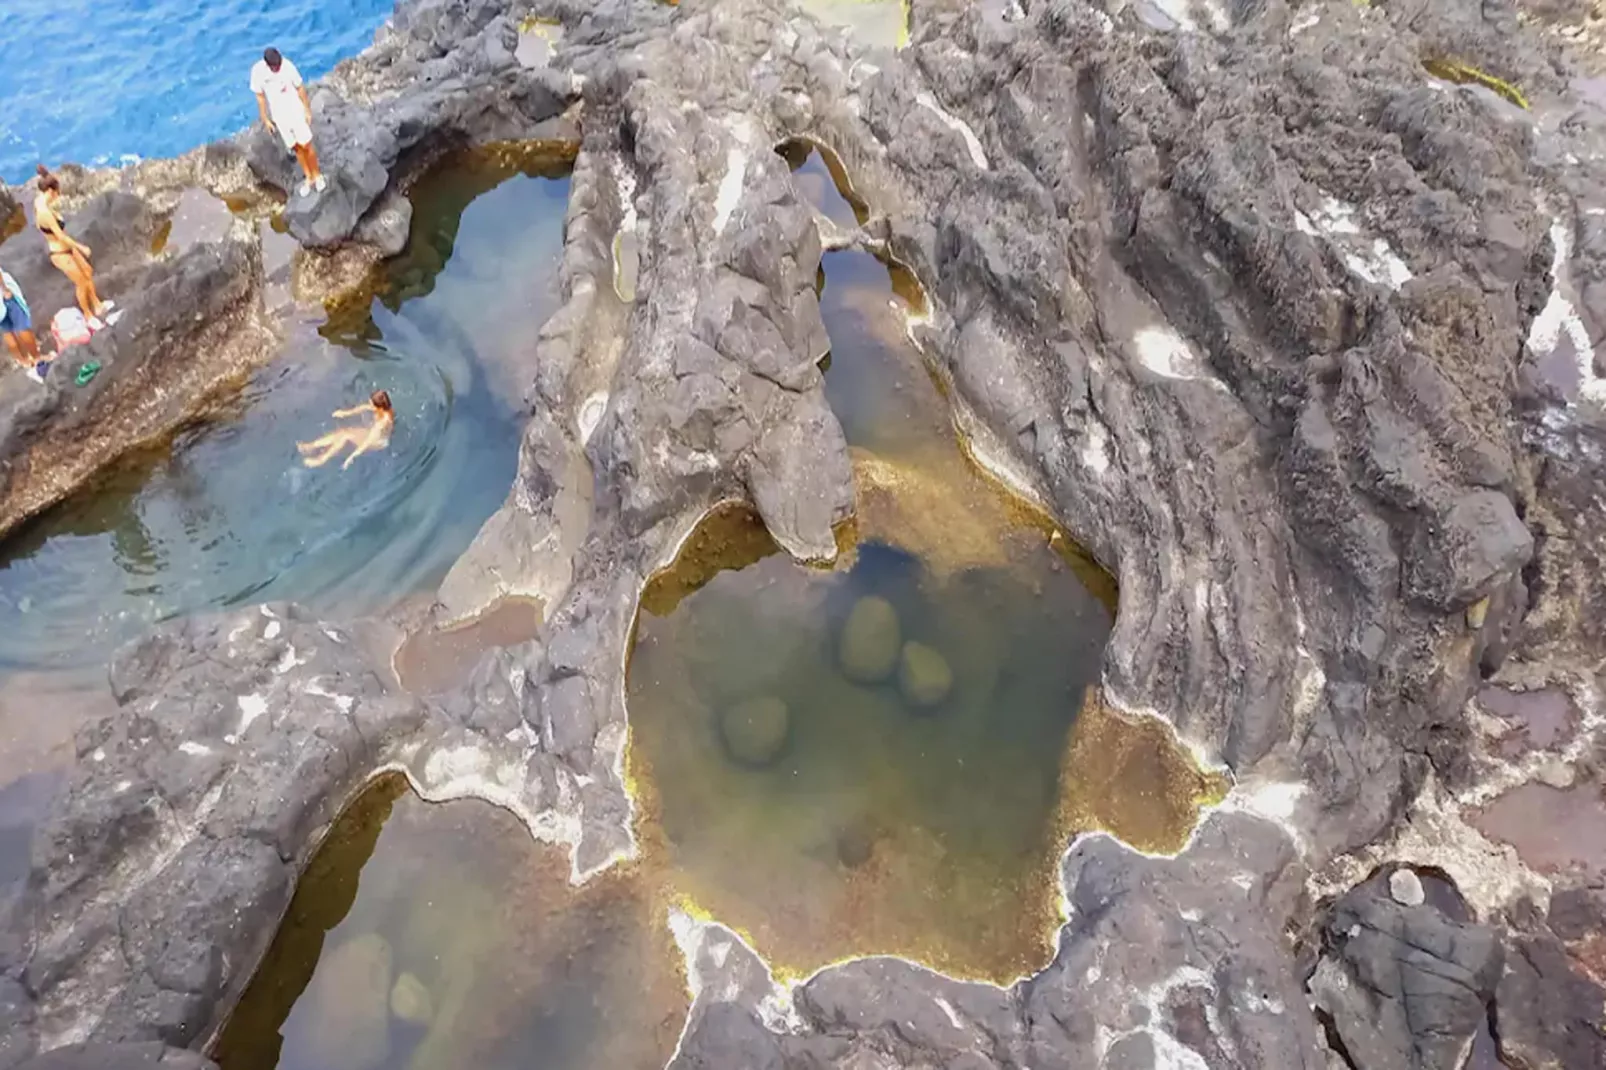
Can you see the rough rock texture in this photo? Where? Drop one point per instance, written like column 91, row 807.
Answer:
column 1273, row 390
column 1404, row 986
column 441, row 75
column 191, row 323
column 199, row 315
column 1133, row 976
column 118, row 1057
column 1294, row 337
column 160, row 881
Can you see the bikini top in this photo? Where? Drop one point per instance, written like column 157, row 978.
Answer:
column 61, row 220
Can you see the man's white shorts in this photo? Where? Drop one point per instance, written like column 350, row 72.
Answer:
column 294, row 129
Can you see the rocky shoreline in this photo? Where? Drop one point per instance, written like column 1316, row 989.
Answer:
column 1293, row 336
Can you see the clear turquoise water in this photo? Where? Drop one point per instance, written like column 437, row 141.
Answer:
column 227, row 515
column 105, row 81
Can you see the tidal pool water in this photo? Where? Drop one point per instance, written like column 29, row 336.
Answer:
column 874, row 23
column 226, row 514
column 867, row 759
column 434, row 660
column 435, row 937
column 820, row 180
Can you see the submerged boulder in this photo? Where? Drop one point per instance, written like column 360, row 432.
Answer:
column 871, row 639
column 755, row 730
column 410, row 1000
column 924, row 677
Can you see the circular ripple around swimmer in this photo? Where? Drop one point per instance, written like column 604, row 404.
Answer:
column 336, row 506
column 228, row 514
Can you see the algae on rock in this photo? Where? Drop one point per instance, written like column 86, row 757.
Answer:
column 871, row 639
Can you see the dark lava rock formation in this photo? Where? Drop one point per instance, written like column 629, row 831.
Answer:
column 1294, row 337
column 197, row 319
column 440, row 76
column 191, row 322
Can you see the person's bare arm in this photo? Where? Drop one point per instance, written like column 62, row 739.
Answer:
column 262, row 110
column 306, row 102
column 354, row 410
column 374, row 439
column 51, row 225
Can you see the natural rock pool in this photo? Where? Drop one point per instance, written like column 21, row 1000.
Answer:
column 226, row 514
column 433, row 937
column 867, row 759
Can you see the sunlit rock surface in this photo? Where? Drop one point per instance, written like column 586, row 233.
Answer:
column 1287, row 331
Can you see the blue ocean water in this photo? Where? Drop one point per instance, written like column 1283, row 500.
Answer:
column 105, row 81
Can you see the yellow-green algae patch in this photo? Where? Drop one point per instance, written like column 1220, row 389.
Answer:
column 1462, row 73
column 731, row 536
column 1132, row 777
column 886, row 757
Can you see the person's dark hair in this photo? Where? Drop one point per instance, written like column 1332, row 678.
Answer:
column 271, row 57
column 380, row 400
column 48, row 181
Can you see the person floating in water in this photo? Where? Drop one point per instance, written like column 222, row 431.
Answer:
column 286, row 110
column 376, row 436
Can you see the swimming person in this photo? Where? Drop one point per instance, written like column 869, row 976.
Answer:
column 285, row 109
column 71, row 257
column 376, row 436
column 17, row 322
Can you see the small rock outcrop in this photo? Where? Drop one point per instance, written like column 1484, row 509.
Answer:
column 440, row 76
column 190, row 325
column 1404, row 986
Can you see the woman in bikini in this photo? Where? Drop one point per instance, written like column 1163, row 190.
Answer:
column 71, row 257
column 376, row 436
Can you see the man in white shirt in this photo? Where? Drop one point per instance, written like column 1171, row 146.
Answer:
column 285, row 110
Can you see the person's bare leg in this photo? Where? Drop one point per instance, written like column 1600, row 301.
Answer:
column 321, row 451
column 307, row 157
column 86, row 299
column 362, row 448
column 322, row 444
column 83, row 281
column 30, row 345
column 68, row 265
column 94, row 297
column 15, row 348
column 320, row 459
